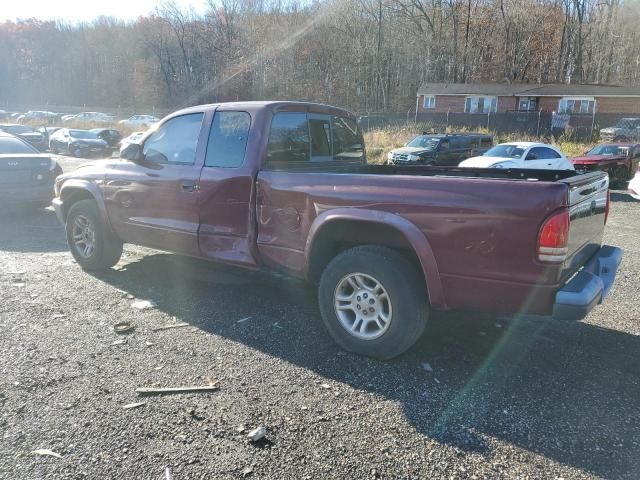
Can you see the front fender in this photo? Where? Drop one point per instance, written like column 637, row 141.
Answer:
column 71, row 186
column 411, row 232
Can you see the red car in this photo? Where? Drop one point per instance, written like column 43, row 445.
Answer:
column 285, row 186
column 619, row 160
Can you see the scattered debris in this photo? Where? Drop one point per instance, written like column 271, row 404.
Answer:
column 167, row 473
column 257, row 434
column 123, row 327
column 242, row 320
column 46, row 452
column 175, row 325
column 247, row 471
column 133, row 405
column 19, row 284
column 498, row 325
column 124, row 341
column 169, row 390
column 326, row 386
column 436, row 380
column 159, row 367
column 427, row 366
column 149, row 344
column 56, row 316
column 143, row 304
column 240, row 429
column 277, row 325
column 129, row 296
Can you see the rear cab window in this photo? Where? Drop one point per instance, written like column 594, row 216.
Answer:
column 299, row 139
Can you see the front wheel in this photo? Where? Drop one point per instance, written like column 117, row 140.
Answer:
column 91, row 244
column 373, row 301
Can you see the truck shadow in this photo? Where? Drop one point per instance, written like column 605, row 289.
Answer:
column 22, row 230
column 566, row 391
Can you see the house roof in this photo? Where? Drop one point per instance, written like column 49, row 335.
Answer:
column 528, row 89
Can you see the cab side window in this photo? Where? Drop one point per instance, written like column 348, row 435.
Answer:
column 175, row 141
column 228, row 139
column 288, row 139
column 348, row 143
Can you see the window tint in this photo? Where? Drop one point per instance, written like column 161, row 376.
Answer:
column 348, row 143
column 542, row 153
column 320, row 130
column 228, row 139
column 14, row 145
column 289, row 138
column 459, row 143
column 175, row 141
column 486, row 142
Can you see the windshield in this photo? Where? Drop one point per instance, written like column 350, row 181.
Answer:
column 16, row 129
column 505, row 151
column 82, row 134
column 428, row 143
column 14, row 145
column 606, row 150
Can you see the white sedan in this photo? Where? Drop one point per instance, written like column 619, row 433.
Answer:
column 139, row 121
column 521, row 155
column 634, row 185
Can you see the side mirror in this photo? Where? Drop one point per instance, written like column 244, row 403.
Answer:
column 132, row 152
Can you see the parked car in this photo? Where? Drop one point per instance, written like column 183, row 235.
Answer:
column 135, row 137
column 528, row 155
column 26, row 133
column 634, row 185
column 449, row 149
column 626, row 130
column 109, row 135
column 90, row 117
column 619, row 160
column 78, row 143
column 285, row 186
column 27, row 176
column 38, row 116
column 137, row 121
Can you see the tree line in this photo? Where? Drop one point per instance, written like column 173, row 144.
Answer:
column 366, row 55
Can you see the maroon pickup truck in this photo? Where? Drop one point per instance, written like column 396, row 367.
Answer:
column 285, row 186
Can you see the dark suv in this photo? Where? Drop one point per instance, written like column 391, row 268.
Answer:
column 449, row 149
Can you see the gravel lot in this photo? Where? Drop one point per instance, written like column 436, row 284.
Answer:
column 521, row 398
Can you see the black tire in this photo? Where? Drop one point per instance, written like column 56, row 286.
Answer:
column 107, row 249
column 405, row 290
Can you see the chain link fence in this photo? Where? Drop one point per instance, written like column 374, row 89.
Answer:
column 578, row 127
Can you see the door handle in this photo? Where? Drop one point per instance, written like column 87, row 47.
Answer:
column 189, row 187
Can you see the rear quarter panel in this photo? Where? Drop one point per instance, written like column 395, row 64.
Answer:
column 480, row 230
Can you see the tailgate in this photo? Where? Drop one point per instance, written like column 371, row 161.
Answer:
column 587, row 200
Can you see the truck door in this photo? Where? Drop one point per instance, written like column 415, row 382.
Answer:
column 154, row 202
column 226, row 189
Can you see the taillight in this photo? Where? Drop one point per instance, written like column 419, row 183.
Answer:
column 606, row 208
column 554, row 238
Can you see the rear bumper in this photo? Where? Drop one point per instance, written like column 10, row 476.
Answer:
column 589, row 286
column 28, row 194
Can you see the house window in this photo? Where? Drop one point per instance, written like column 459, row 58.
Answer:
column 577, row 105
column 478, row 104
column 429, row 102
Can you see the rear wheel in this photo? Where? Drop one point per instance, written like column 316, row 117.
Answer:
column 373, row 301
column 91, row 244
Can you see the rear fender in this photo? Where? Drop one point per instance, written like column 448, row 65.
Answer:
column 411, row 233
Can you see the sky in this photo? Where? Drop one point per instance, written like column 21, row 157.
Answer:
column 83, row 10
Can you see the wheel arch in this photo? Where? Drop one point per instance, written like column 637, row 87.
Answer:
column 332, row 232
column 73, row 190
